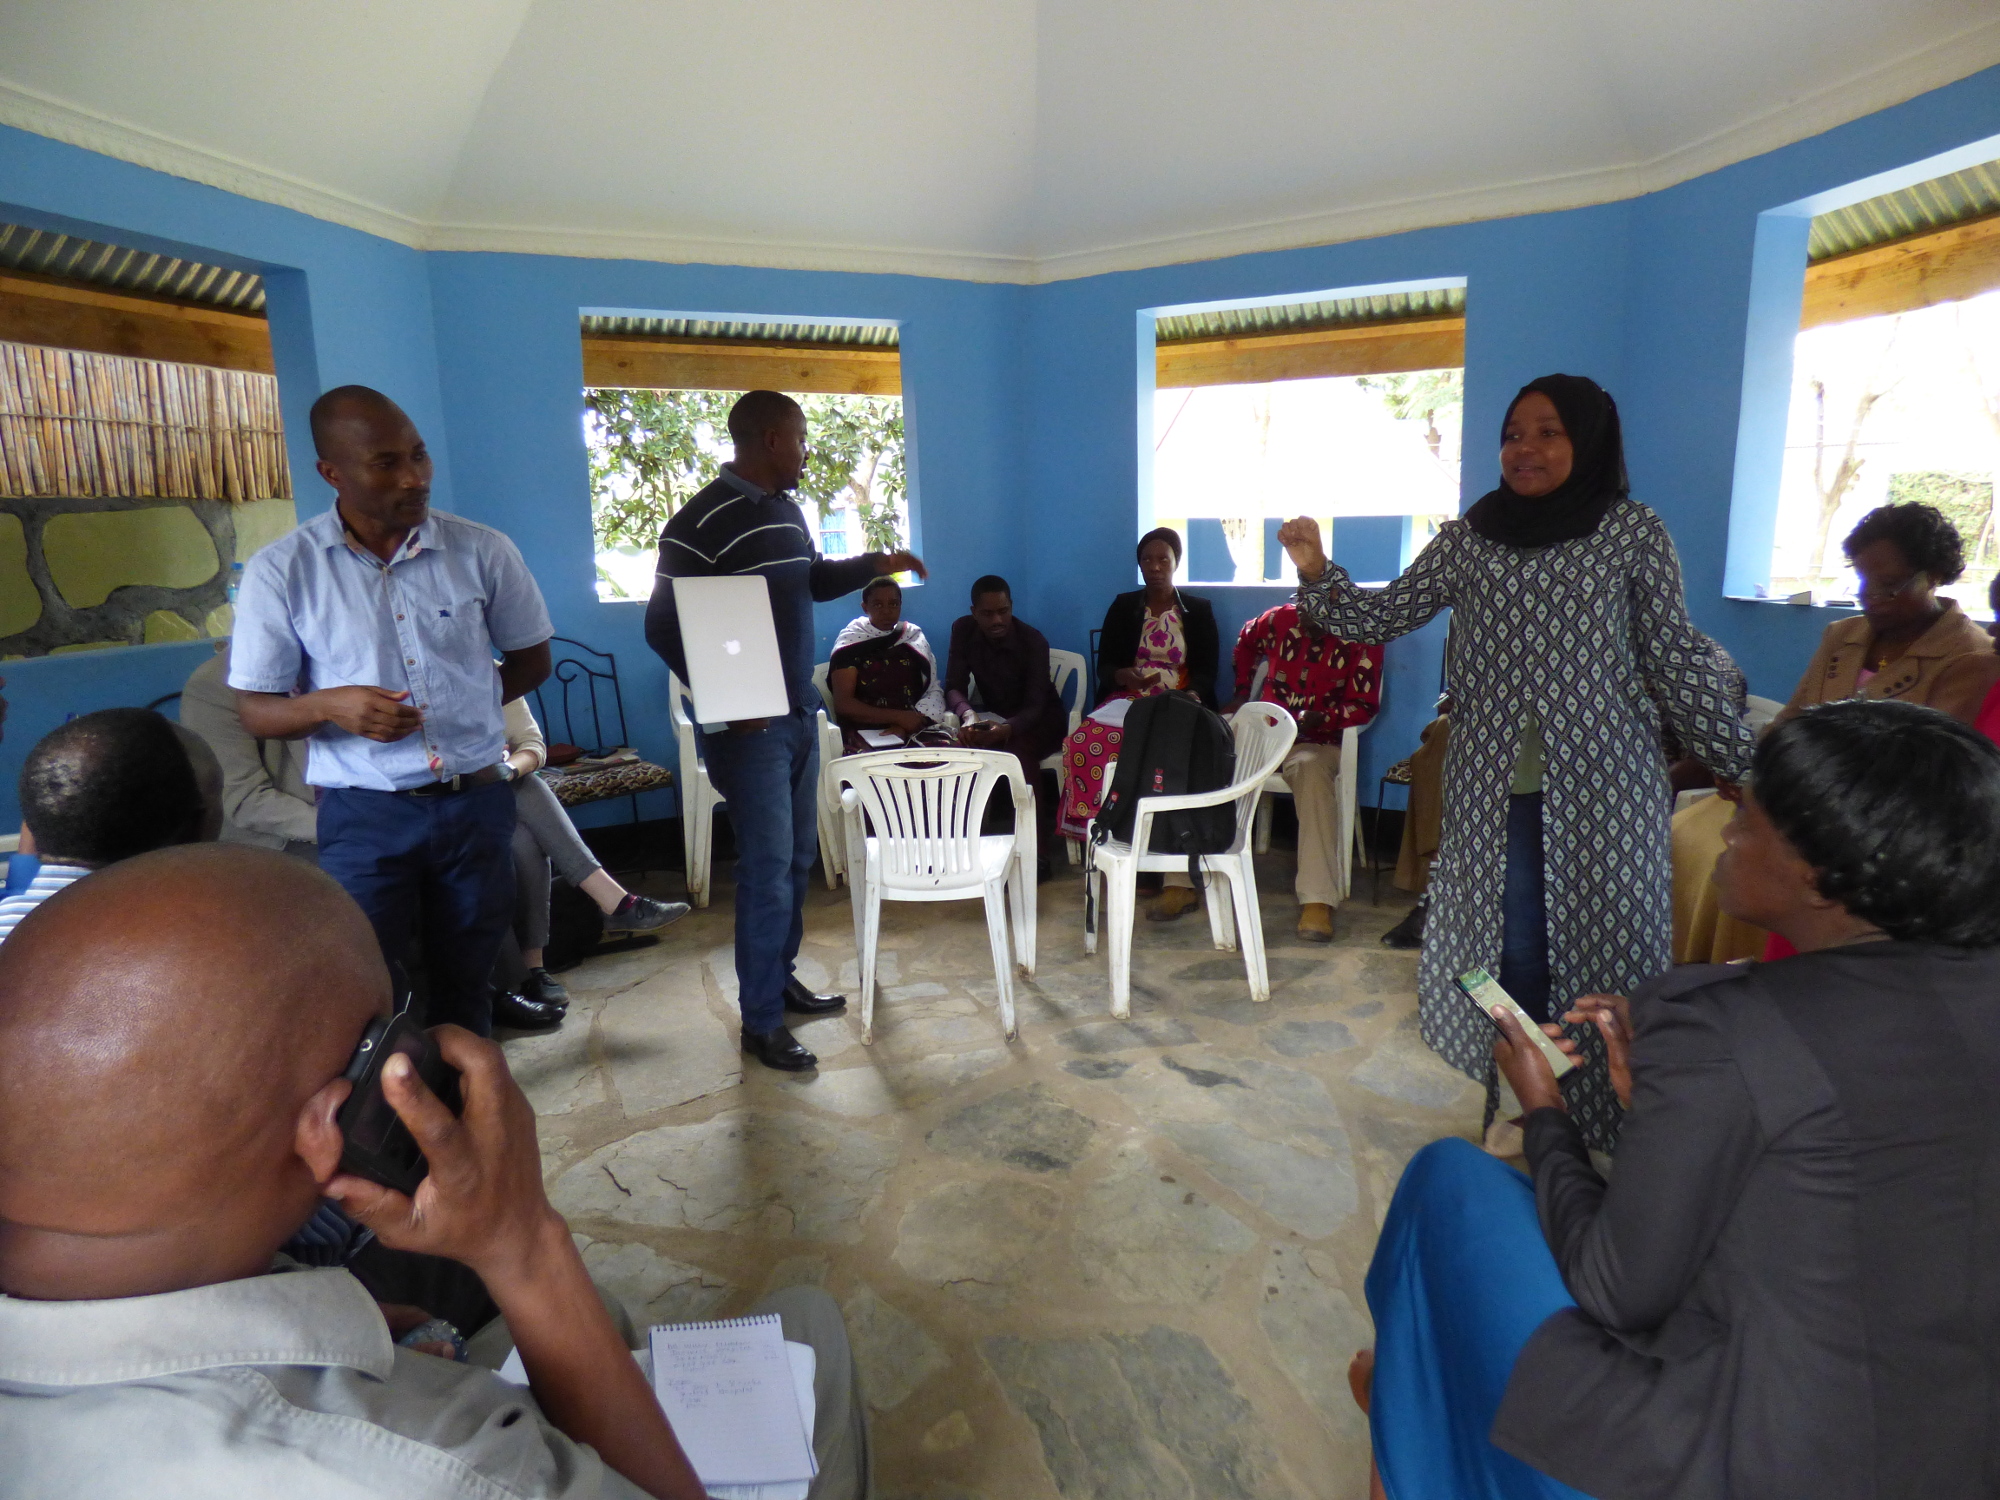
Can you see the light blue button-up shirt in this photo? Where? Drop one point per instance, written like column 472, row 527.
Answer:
column 315, row 611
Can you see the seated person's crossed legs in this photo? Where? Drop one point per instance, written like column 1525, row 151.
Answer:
column 174, row 1035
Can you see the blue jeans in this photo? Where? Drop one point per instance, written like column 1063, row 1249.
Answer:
column 770, row 779
column 435, row 871
column 1460, row 1279
column 1524, row 929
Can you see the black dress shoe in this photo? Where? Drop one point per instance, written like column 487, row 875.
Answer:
column 802, row 1001
column 644, row 914
column 545, row 987
column 523, row 1014
column 778, row 1048
column 1408, row 933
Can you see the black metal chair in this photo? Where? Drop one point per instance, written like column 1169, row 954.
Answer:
column 581, row 704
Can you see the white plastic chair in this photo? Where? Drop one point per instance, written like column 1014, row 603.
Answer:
column 1264, row 733
column 832, row 842
column 1067, row 673
column 1760, row 712
column 699, row 798
column 924, row 809
column 1347, row 832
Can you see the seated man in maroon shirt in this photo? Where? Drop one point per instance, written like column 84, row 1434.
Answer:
column 1329, row 685
column 1009, row 660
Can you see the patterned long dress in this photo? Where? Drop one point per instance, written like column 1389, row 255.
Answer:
column 1093, row 745
column 1577, row 632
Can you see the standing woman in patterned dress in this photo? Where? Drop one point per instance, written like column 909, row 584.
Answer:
column 1553, row 872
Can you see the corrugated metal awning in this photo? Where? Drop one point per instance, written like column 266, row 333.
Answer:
column 872, row 335
column 1923, row 208
column 1304, row 317
column 116, row 268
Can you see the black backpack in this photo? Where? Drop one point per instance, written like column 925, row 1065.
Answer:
column 1172, row 745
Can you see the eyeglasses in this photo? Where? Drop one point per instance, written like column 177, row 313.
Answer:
column 1865, row 591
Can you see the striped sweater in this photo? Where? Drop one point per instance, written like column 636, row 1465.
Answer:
column 732, row 527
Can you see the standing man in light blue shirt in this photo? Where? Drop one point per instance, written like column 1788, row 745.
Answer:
column 371, row 631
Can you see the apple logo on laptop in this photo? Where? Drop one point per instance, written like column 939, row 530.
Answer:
column 734, row 648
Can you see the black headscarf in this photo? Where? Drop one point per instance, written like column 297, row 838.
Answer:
column 1596, row 477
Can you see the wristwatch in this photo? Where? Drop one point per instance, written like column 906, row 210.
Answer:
column 507, row 772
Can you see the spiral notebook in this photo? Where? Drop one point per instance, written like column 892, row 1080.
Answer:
column 727, row 1389
column 707, row 1428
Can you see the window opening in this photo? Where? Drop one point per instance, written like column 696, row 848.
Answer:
column 142, row 452
column 1347, row 409
column 657, row 393
column 1895, row 392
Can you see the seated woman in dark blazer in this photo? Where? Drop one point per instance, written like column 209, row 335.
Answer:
column 1787, row 1289
column 1154, row 639
column 1158, row 637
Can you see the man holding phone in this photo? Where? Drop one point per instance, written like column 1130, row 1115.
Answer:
column 372, row 630
column 174, row 1038
column 746, row 523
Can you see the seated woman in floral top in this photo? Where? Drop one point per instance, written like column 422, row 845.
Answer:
column 884, row 675
column 1154, row 639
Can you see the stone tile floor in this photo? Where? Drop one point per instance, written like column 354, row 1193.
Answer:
column 1120, row 1260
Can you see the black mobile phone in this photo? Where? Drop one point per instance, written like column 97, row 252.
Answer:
column 378, row 1145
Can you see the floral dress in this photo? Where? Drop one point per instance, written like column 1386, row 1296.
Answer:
column 1094, row 744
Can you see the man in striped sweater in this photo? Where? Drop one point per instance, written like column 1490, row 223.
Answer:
column 746, row 522
column 107, row 786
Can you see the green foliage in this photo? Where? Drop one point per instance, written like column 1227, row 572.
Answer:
column 1965, row 499
column 651, row 451
column 1420, row 396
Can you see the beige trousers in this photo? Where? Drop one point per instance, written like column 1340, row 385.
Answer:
column 1313, row 773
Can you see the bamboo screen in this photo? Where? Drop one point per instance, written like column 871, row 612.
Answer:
column 87, row 426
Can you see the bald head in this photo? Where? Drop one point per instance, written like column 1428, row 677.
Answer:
column 375, row 459
column 346, row 406
column 162, row 1024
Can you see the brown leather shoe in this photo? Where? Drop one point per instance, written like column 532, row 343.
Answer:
column 1316, row 922
column 1173, row 903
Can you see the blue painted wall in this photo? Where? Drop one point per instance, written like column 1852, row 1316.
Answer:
column 1024, row 404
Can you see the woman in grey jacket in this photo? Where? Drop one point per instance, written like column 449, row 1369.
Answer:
column 1788, row 1288
column 1568, row 625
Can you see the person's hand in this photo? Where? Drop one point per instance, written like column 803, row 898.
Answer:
column 909, row 721
column 904, row 562
column 482, row 1204
column 1728, row 791
column 374, row 713
column 1300, row 539
column 1138, row 679
column 1310, row 720
column 747, row 726
column 1612, row 1016
column 1528, row 1072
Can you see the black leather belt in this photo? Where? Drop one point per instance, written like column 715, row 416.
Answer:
column 465, row 783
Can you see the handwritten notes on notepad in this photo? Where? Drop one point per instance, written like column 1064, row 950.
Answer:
column 727, row 1389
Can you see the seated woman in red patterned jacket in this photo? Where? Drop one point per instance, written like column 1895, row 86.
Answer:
column 1329, row 686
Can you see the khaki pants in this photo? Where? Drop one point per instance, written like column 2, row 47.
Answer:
column 1313, row 773
column 808, row 1316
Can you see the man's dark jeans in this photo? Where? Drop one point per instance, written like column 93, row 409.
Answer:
column 446, row 862
column 1524, row 930
column 770, row 779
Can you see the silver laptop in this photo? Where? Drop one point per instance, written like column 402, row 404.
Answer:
column 734, row 670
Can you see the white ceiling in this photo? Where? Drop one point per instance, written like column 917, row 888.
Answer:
column 1004, row 140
